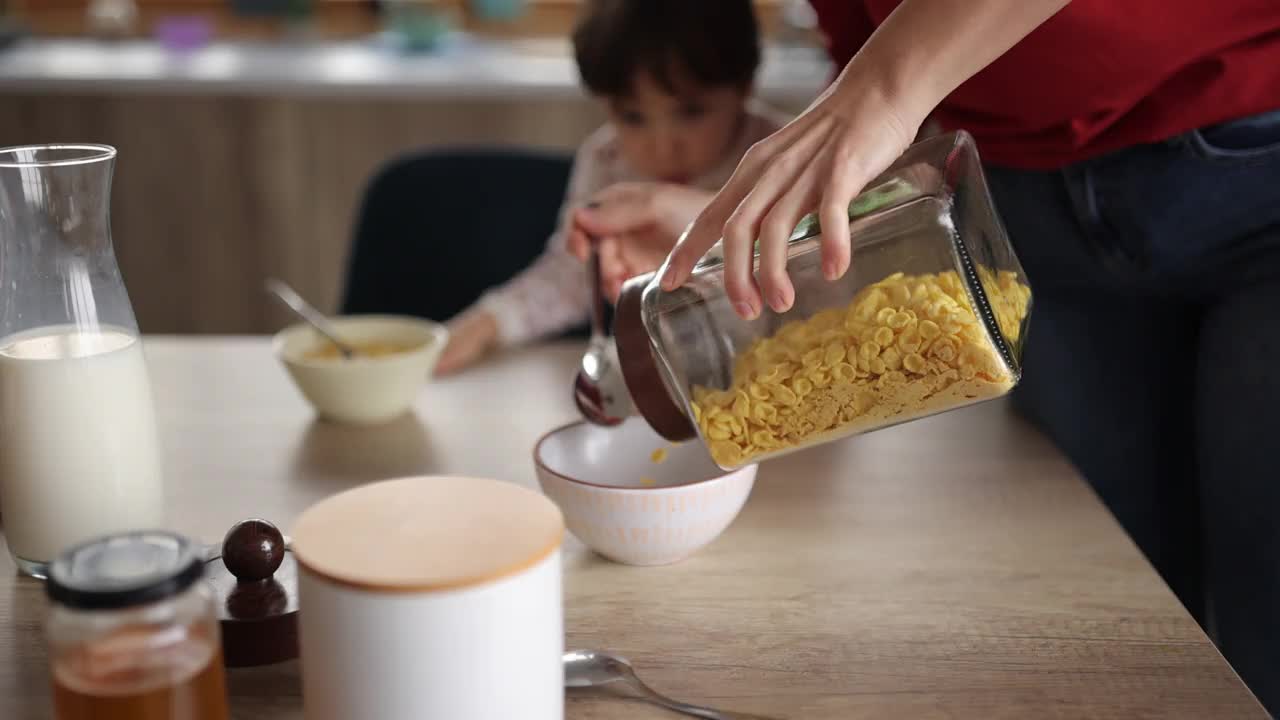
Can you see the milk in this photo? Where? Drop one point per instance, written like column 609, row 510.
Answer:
column 79, row 453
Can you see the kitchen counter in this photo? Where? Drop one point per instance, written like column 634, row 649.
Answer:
column 463, row 67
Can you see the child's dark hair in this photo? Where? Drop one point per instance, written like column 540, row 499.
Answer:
column 713, row 43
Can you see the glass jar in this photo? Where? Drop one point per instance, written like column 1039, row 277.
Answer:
column 79, row 443
column 931, row 316
column 133, row 631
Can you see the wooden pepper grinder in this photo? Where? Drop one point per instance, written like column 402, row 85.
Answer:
column 255, row 580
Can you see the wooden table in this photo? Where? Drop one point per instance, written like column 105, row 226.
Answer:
column 953, row 567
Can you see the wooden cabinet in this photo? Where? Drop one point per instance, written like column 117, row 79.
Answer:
column 213, row 193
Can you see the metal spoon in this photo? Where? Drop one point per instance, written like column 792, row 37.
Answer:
column 599, row 390
column 596, row 668
column 307, row 312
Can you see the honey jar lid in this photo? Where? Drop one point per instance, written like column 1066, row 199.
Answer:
column 425, row 534
column 124, row 570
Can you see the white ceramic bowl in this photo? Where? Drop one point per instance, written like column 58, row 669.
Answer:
column 363, row 390
column 623, row 505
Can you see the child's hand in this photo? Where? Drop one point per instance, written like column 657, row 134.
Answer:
column 471, row 336
column 635, row 225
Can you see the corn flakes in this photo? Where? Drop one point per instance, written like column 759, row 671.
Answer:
column 905, row 346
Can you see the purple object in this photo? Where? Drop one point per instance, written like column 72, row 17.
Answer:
column 183, row 32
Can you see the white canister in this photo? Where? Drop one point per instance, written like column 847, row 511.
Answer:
column 431, row 597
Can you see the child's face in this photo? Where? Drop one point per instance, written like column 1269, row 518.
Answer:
column 676, row 138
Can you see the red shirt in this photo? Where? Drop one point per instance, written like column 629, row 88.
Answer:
column 1101, row 75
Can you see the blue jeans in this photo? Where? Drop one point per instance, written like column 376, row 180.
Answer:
column 1153, row 360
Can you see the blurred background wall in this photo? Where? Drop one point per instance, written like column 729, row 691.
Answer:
column 248, row 129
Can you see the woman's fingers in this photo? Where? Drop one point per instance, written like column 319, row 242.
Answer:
column 833, row 218
column 775, row 236
column 707, row 229
column 786, row 191
column 739, row 257
column 780, row 168
column 701, row 234
column 859, row 154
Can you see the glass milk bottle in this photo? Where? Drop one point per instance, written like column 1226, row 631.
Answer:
column 79, row 453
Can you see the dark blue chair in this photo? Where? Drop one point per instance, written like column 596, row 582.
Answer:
column 438, row 228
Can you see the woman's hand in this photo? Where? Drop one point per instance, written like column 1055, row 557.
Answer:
column 471, row 336
column 821, row 160
column 635, row 225
column 853, row 132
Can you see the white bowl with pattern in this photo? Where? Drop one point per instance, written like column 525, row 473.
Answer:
column 630, row 506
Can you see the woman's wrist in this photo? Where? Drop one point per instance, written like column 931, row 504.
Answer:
column 889, row 85
column 926, row 48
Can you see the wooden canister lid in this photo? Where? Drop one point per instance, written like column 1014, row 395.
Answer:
column 426, row 534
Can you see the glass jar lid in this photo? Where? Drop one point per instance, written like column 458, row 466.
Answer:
column 124, row 570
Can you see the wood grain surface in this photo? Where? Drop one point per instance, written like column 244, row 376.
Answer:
column 955, row 567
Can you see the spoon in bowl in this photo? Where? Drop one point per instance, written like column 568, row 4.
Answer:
column 596, row 668
column 308, row 313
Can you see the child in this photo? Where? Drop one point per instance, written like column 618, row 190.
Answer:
column 675, row 77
